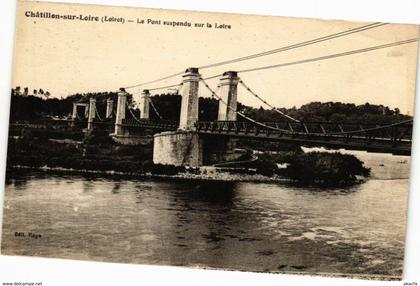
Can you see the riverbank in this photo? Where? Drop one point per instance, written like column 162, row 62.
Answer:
column 98, row 154
column 195, row 175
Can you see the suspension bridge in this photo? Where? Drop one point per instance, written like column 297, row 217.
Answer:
column 189, row 141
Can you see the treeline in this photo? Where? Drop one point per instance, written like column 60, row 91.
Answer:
column 332, row 112
column 169, row 106
column 31, row 107
column 26, row 92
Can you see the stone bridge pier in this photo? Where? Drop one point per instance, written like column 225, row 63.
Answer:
column 186, row 147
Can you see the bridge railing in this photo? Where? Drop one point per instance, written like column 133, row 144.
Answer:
column 152, row 124
column 393, row 132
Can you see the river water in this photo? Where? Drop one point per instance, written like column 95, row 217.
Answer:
column 241, row 226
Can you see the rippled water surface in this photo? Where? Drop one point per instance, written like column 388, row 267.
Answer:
column 243, row 226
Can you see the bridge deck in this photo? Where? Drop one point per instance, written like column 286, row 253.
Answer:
column 393, row 138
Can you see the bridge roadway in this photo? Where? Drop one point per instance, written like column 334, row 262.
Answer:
column 395, row 139
column 392, row 138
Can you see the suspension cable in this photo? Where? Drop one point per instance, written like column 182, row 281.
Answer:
column 264, row 101
column 213, row 76
column 159, row 88
column 370, row 129
column 131, row 112
column 290, row 132
column 299, row 45
column 278, row 50
column 97, row 114
column 165, row 87
column 153, row 81
column 217, row 90
column 240, row 113
column 155, row 109
column 331, row 56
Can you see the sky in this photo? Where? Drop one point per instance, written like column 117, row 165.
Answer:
column 67, row 57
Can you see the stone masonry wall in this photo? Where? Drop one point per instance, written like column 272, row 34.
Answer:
column 179, row 148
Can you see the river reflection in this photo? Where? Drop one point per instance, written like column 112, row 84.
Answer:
column 242, row 226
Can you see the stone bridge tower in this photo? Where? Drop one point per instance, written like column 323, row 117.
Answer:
column 189, row 103
column 184, row 146
column 92, row 113
column 218, row 150
column 109, row 108
column 120, row 113
column 229, row 94
column 144, row 104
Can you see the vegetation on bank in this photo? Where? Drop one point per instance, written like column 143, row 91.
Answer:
column 320, row 168
column 312, row 168
column 31, row 107
column 95, row 152
column 98, row 152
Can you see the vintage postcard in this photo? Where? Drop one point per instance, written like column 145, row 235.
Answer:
column 211, row 140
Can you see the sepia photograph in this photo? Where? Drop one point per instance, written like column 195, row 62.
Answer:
column 210, row 140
